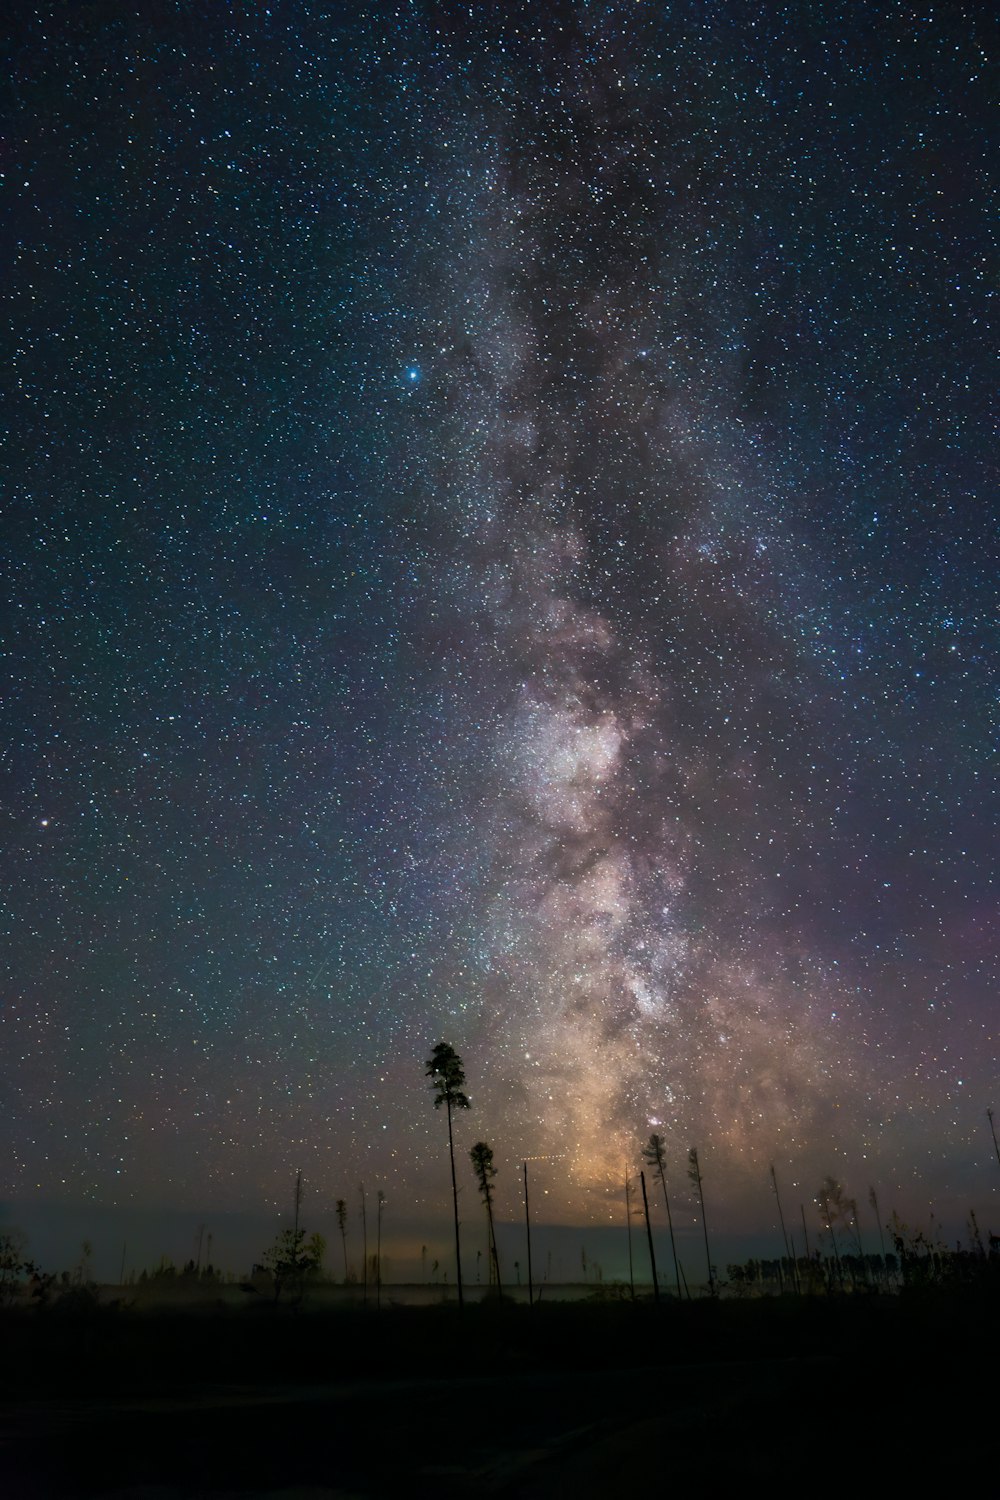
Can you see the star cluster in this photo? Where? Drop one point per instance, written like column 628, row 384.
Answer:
column 499, row 549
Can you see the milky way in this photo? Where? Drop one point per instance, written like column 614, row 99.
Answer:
column 502, row 554
column 615, row 568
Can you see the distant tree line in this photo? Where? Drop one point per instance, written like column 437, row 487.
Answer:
column 841, row 1262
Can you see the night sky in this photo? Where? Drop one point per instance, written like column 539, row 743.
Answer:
column 499, row 545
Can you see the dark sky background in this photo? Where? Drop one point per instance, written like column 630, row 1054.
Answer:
column 499, row 545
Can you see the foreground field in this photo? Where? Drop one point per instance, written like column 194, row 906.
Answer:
column 573, row 1399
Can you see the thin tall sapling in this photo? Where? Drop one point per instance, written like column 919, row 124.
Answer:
column 855, row 1222
column 342, row 1225
column 789, row 1252
column 653, row 1156
column 993, row 1133
column 378, row 1257
column 628, row 1230
column 364, row 1244
column 481, row 1157
column 694, row 1176
column 527, row 1226
column 649, row 1237
column 831, row 1206
column 873, row 1200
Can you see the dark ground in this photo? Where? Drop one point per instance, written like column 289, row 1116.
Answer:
column 823, row 1396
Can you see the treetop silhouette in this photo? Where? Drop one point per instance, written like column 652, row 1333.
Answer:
column 444, row 1067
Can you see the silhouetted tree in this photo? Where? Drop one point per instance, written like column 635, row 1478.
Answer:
column 289, row 1261
column 694, row 1174
column 13, row 1263
column 653, row 1156
column 444, row 1069
column 342, row 1224
column 481, row 1157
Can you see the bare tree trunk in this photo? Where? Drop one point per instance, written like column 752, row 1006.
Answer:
column 378, row 1259
column 527, row 1225
column 493, row 1244
column 795, row 1264
column 670, row 1226
column 825, row 1202
column 454, row 1195
column 860, row 1243
column 781, row 1221
column 649, row 1236
column 873, row 1200
column 805, row 1231
column 696, row 1178
column 628, row 1226
column 364, row 1245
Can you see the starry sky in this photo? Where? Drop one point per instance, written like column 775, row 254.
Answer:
column 499, row 546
